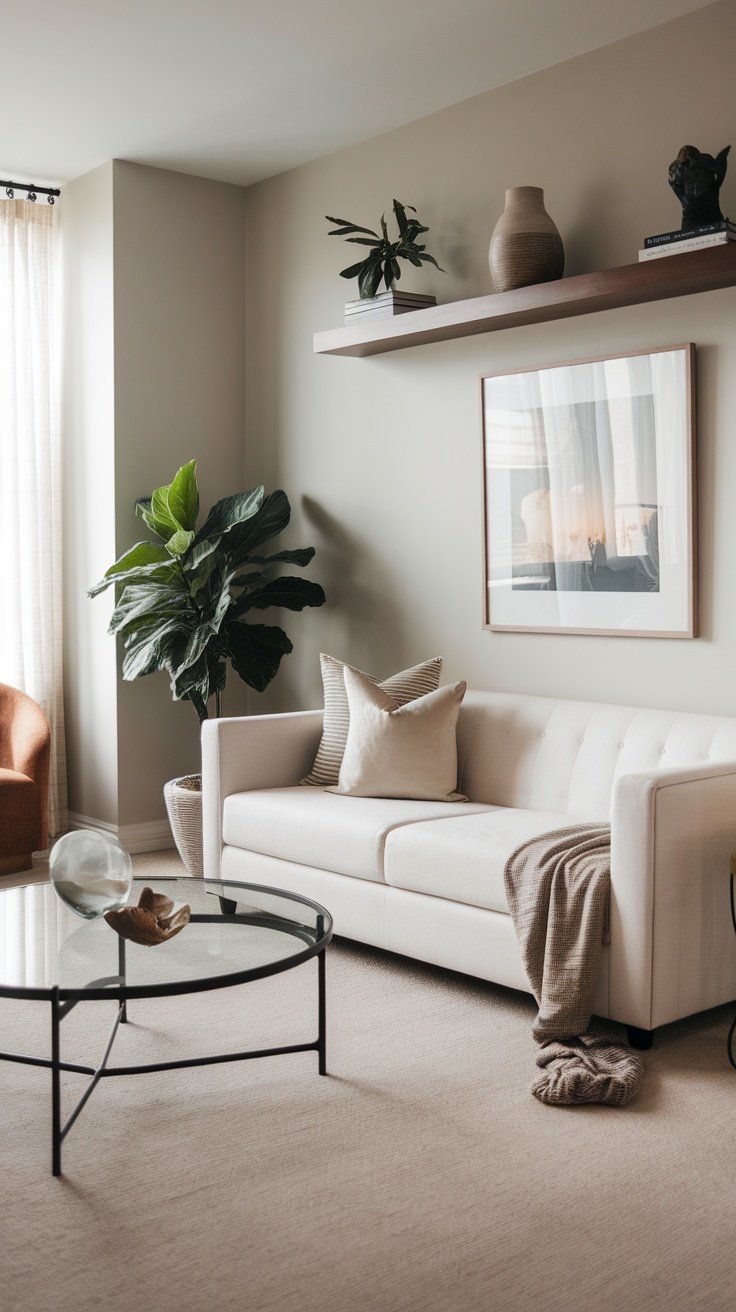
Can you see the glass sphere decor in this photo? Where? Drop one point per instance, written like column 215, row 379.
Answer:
column 90, row 872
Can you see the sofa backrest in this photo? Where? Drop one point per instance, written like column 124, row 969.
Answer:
column 551, row 754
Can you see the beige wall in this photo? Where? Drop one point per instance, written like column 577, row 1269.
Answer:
column 90, row 674
column 382, row 456
column 179, row 395
column 155, row 297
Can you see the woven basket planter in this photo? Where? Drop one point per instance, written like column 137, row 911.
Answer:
column 183, row 799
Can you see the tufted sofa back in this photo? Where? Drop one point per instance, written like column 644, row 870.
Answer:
column 547, row 754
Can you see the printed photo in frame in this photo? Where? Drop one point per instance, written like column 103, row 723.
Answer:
column 589, row 496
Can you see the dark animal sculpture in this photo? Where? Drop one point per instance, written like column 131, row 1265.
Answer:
column 696, row 180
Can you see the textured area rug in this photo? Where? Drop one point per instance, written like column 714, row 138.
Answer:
column 418, row 1177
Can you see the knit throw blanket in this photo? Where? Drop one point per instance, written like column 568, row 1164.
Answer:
column 557, row 886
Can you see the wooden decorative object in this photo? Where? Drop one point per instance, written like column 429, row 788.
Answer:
column 155, row 920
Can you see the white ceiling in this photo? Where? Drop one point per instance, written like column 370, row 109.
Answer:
column 242, row 89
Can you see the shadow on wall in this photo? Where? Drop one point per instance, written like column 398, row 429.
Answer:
column 595, row 213
column 362, row 621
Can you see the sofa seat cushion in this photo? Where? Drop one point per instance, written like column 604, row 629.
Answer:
column 346, row 835
column 463, row 858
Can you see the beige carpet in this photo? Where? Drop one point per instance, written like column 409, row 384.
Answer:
column 421, row 1176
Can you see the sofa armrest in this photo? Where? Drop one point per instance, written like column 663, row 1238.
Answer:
column 673, row 951
column 247, row 752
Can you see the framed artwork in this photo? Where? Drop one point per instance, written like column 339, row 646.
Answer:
column 589, row 498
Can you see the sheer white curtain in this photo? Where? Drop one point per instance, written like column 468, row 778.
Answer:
column 30, row 473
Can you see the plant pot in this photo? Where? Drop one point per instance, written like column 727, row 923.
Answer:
column 526, row 247
column 183, row 799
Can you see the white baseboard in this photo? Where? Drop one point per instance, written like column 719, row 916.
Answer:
column 153, row 836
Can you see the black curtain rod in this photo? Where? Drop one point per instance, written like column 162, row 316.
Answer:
column 30, row 187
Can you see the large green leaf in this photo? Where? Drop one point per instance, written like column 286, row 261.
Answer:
column 369, row 279
column 400, row 213
column 256, row 651
column 346, row 226
column 200, row 579
column 180, row 542
column 272, row 518
column 203, row 634
column 149, row 601
column 163, row 575
column 253, row 580
column 289, row 593
column 143, row 554
column 196, row 645
column 176, row 648
column 230, row 512
column 162, row 512
column 219, row 609
column 192, row 677
column 156, row 515
column 354, row 270
column 297, row 556
column 198, row 684
column 200, row 552
column 143, row 508
column 150, row 650
column 183, row 496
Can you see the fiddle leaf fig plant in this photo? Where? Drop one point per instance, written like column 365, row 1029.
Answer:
column 382, row 261
column 184, row 598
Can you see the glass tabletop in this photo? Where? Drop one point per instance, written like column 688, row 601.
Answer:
column 237, row 932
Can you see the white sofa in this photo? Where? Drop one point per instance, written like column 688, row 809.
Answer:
column 426, row 878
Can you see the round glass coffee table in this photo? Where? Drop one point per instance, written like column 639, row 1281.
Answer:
column 237, row 933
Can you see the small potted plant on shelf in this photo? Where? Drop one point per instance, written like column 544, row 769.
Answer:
column 381, row 264
column 183, row 604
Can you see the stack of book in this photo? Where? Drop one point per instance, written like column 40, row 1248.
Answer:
column 694, row 239
column 385, row 305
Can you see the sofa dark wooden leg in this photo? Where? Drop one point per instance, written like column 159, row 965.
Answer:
column 641, row 1039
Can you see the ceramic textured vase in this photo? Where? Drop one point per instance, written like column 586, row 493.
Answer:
column 525, row 247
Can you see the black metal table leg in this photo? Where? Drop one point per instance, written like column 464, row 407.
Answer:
column 321, row 1006
column 55, row 1084
column 121, row 973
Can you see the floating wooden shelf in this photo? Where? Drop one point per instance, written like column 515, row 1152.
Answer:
column 632, row 284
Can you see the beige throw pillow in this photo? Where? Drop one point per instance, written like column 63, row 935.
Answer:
column 402, row 687
column 405, row 751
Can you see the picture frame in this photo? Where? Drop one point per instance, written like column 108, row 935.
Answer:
column 589, row 496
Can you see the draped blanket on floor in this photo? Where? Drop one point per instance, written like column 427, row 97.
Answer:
column 558, row 889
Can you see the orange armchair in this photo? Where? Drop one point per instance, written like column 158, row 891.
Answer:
column 24, row 779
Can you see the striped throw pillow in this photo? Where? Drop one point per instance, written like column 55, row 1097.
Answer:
column 402, row 687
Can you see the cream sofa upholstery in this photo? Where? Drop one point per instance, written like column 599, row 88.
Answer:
column 426, row 878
